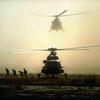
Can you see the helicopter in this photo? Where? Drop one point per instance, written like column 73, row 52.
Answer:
column 52, row 66
column 56, row 24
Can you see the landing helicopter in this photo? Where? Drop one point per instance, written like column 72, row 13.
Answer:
column 52, row 66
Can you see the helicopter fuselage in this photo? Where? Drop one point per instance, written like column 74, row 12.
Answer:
column 52, row 64
column 56, row 24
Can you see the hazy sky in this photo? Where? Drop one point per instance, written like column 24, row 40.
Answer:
column 20, row 28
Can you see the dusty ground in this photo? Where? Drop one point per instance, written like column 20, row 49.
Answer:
column 49, row 92
column 64, row 88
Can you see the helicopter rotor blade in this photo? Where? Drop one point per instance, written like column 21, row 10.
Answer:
column 27, row 51
column 61, row 13
column 79, row 48
column 40, row 50
column 44, row 15
column 70, row 49
column 75, row 14
column 55, row 49
column 52, row 15
column 73, row 48
column 30, row 51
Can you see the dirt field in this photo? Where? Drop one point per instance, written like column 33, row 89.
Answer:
column 72, row 87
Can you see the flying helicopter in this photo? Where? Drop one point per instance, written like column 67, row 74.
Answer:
column 56, row 24
column 52, row 66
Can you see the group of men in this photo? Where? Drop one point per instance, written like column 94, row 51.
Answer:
column 22, row 73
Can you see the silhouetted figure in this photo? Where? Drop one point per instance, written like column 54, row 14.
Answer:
column 21, row 73
column 39, row 75
column 65, row 75
column 25, row 73
column 14, row 73
column 7, row 72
